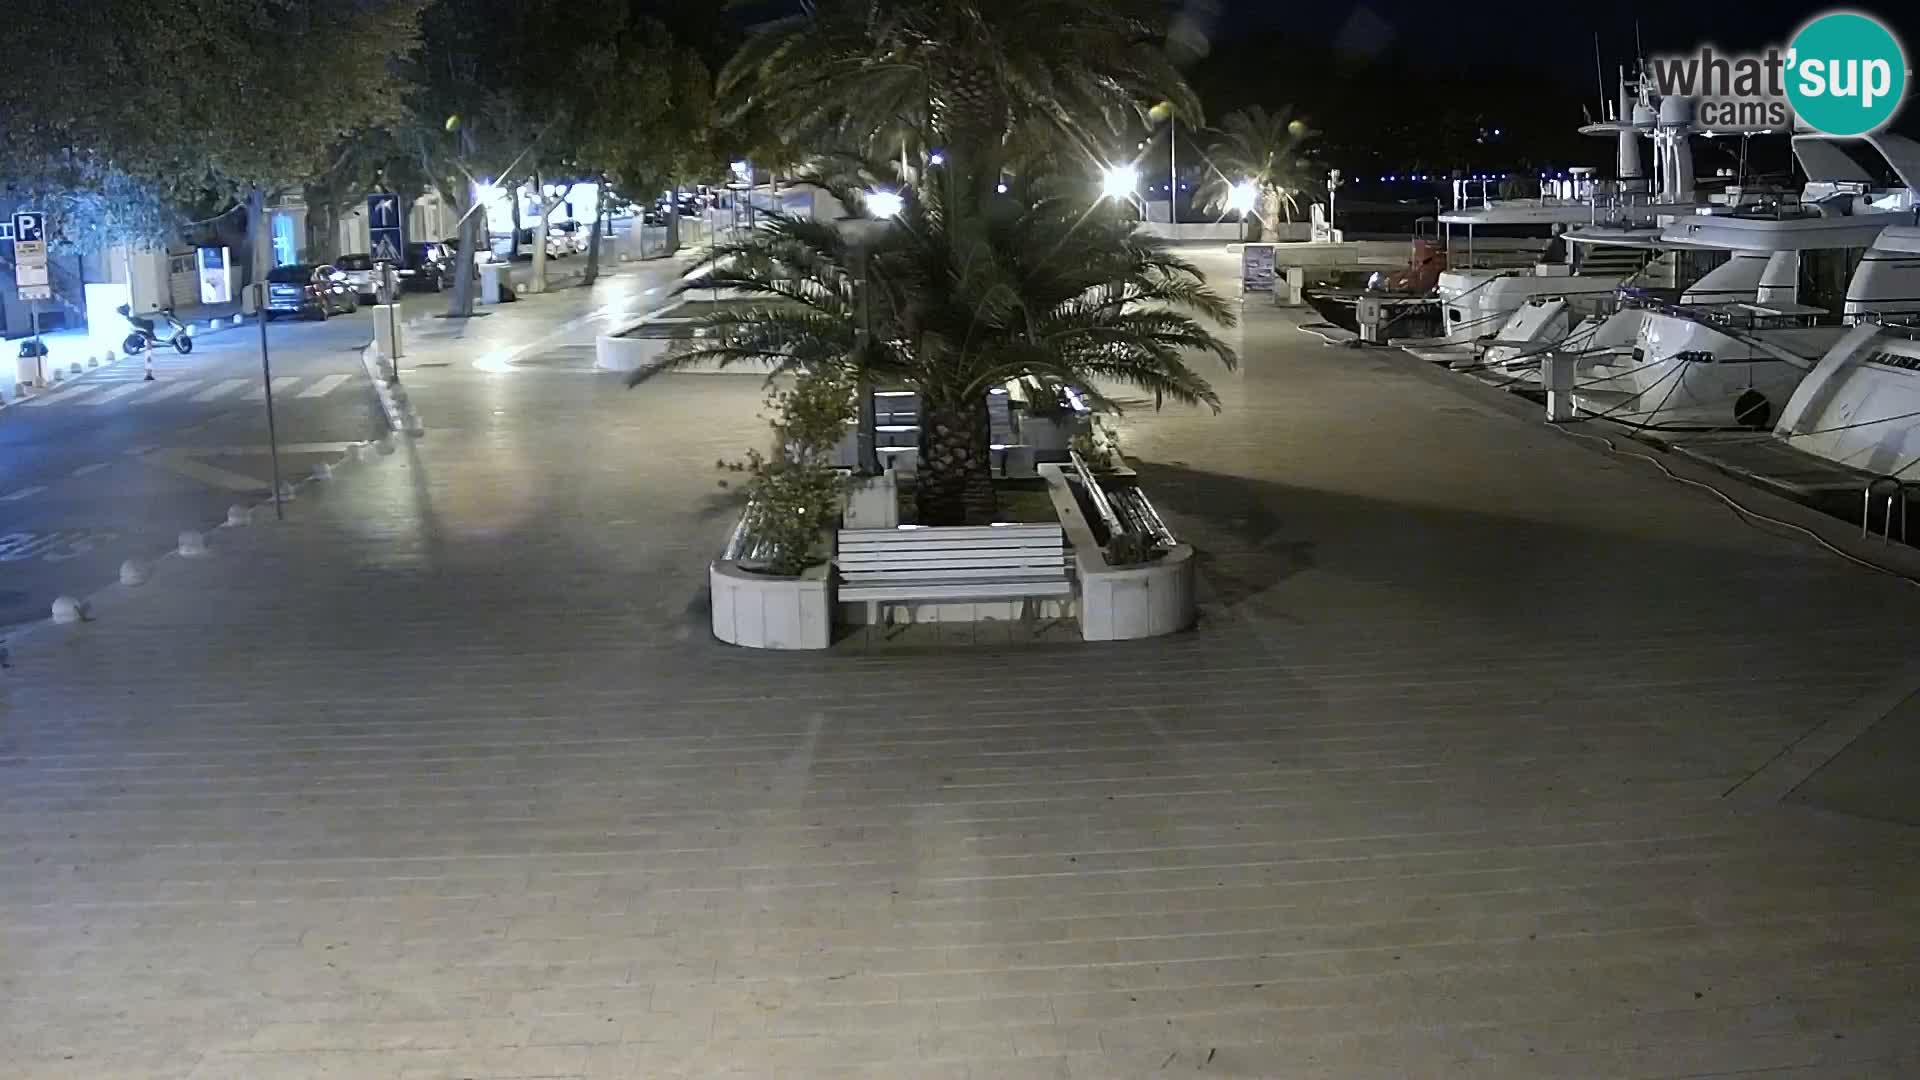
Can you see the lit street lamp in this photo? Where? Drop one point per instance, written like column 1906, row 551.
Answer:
column 1242, row 197
column 882, row 203
column 1119, row 181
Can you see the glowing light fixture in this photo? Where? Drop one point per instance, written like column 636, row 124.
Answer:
column 882, row 203
column 1119, row 181
column 1242, row 197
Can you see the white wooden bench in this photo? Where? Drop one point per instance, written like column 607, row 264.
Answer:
column 984, row 562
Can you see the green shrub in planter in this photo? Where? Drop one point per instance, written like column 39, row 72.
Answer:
column 794, row 493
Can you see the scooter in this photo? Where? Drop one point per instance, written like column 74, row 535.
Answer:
column 145, row 337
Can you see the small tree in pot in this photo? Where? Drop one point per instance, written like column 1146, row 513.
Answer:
column 794, row 493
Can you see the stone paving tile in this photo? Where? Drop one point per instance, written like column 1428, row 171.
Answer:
column 444, row 778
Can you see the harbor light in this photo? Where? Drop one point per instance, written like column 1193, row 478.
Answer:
column 1119, row 181
column 882, row 203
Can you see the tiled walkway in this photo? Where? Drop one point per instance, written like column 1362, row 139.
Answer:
column 444, row 778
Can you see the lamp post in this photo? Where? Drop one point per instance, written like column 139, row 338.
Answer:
column 1333, row 185
column 881, row 207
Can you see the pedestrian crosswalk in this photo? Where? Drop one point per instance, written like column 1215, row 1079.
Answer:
column 136, row 391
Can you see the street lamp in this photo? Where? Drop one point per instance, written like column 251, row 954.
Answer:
column 882, row 203
column 1119, row 181
column 1242, row 197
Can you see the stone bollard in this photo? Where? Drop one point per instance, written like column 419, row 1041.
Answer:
column 133, row 572
column 93, row 361
column 68, row 610
column 357, row 452
column 286, row 491
column 323, row 471
column 75, row 367
column 111, row 356
column 239, row 515
column 55, row 376
column 193, row 545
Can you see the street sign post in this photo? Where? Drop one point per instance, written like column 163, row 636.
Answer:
column 30, row 256
column 386, row 228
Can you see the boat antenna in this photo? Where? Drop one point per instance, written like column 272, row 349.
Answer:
column 1599, row 73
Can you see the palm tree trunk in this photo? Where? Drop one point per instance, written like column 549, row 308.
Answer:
column 954, row 485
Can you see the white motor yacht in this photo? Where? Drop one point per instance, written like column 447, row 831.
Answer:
column 1722, row 358
column 1860, row 405
column 1612, row 233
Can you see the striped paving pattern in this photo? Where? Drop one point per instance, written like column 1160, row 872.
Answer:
column 456, row 785
column 135, row 391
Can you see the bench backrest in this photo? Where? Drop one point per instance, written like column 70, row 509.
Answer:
column 955, row 552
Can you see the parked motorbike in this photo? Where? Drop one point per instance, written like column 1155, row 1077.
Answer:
column 146, row 336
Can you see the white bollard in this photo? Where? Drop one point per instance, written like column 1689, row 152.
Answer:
column 286, row 491
column 193, row 545
column 1556, row 374
column 75, row 367
column 68, row 610
column 112, row 357
column 149, row 359
column 239, row 515
column 323, row 471
column 133, row 572
column 56, row 375
column 93, row 361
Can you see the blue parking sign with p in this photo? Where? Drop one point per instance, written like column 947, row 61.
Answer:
column 29, row 226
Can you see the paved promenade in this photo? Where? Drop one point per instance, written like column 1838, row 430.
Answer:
column 1480, row 764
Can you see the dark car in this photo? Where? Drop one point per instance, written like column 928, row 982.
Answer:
column 429, row 266
column 311, row 291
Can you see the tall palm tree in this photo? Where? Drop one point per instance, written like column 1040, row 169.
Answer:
column 964, row 76
column 960, row 300
column 1268, row 150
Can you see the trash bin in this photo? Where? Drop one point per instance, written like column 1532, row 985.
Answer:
column 31, row 366
column 489, row 283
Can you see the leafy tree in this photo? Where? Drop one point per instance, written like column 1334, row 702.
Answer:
column 233, row 99
column 1268, row 150
column 962, row 297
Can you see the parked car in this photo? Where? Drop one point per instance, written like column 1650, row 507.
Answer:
column 310, row 291
column 363, row 274
column 429, row 267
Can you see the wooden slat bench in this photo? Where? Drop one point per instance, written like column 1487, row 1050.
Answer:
column 985, row 562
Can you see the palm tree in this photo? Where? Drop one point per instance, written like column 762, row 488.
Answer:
column 1267, row 150
column 971, row 78
column 961, row 300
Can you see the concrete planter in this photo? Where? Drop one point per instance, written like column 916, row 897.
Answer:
column 1120, row 603
column 761, row 611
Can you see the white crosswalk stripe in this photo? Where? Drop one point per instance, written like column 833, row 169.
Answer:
column 280, row 387
column 172, row 389
column 135, row 391
column 325, row 386
column 220, row 389
column 117, row 392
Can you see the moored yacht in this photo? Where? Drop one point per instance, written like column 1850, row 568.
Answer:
column 1722, row 357
column 1859, row 406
